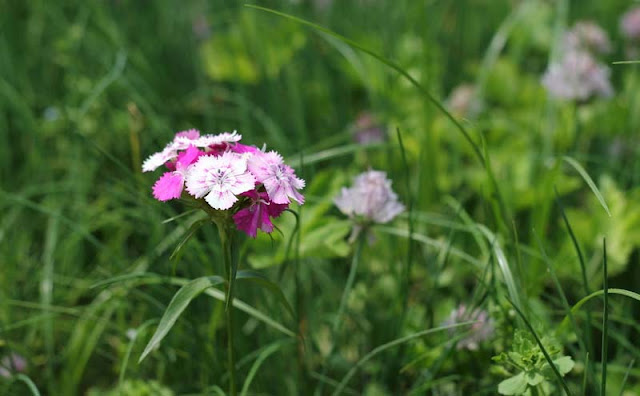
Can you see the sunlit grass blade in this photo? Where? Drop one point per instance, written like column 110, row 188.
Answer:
column 268, row 351
column 178, row 304
column 579, row 304
column 503, row 264
column 388, row 345
column 605, row 320
column 542, row 349
column 626, row 377
column 272, row 287
column 588, row 180
column 28, row 382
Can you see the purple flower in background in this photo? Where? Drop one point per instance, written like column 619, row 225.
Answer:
column 577, row 76
column 588, row 36
column 201, row 27
column 369, row 200
column 368, row 130
column 630, row 24
column 480, row 331
column 463, row 102
column 11, row 364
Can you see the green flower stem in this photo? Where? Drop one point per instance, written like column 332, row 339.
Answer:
column 226, row 235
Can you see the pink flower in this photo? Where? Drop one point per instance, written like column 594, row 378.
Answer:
column 630, row 24
column 279, row 179
column 184, row 140
column 258, row 214
column 219, row 179
column 480, row 331
column 11, row 364
column 171, row 184
column 243, row 148
column 588, row 36
column 370, row 199
column 577, row 76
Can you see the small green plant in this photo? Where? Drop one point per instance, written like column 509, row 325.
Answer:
column 533, row 373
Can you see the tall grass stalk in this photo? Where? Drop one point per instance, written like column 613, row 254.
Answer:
column 335, row 327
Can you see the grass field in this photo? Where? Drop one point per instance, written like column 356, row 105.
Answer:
column 513, row 147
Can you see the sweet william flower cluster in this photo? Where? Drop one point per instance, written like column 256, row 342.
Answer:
column 252, row 185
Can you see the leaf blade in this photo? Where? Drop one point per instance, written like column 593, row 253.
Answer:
column 178, row 304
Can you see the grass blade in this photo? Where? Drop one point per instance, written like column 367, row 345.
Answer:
column 542, row 349
column 256, row 365
column 579, row 304
column 605, row 321
column 588, row 180
column 626, row 376
column 32, row 387
column 178, row 304
column 262, row 280
column 574, row 241
column 388, row 345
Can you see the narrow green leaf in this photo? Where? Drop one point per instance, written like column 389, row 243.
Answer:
column 146, row 278
column 605, row 321
column 579, row 304
column 187, row 235
column 388, row 345
column 626, row 376
column 256, row 365
column 32, row 387
column 588, row 180
column 177, row 305
column 262, row 280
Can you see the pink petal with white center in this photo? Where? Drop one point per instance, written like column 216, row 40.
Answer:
column 169, row 186
column 279, row 179
column 220, row 179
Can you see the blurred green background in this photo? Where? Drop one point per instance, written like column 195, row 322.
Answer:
column 88, row 89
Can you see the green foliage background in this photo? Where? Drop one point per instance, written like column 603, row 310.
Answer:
column 88, row 89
